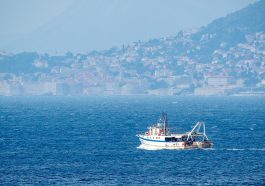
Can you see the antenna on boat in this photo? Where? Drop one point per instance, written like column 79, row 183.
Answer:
column 162, row 122
column 164, row 119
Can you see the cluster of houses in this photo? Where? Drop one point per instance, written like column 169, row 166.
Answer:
column 166, row 66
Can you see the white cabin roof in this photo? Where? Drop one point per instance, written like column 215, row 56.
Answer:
column 178, row 135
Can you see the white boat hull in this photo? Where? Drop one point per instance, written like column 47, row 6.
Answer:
column 174, row 145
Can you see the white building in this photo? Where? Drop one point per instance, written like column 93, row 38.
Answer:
column 217, row 81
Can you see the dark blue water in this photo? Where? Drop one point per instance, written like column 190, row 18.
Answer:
column 92, row 141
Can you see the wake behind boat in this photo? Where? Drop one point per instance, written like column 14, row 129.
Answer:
column 160, row 136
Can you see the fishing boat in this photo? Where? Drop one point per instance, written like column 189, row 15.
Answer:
column 159, row 135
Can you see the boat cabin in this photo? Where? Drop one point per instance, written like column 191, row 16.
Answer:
column 157, row 131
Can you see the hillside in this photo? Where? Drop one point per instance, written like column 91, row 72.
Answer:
column 225, row 57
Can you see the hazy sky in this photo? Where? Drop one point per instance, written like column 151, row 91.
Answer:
column 57, row 26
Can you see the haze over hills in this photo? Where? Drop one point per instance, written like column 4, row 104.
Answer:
column 81, row 26
column 224, row 58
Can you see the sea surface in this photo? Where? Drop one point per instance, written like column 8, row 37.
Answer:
column 91, row 141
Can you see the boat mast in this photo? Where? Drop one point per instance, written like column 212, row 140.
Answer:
column 164, row 118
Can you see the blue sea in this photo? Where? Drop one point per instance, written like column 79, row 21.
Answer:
column 91, row 141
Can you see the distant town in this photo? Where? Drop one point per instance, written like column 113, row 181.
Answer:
column 207, row 61
column 143, row 68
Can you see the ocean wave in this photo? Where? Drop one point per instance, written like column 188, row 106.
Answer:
column 257, row 149
column 208, row 149
column 145, row 147
column 148, row 147
column 248, row 149
column 235, row 149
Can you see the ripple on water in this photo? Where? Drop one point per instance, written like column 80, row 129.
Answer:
column 81, row 141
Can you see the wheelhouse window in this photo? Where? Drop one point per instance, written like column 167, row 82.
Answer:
column 170, row 139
